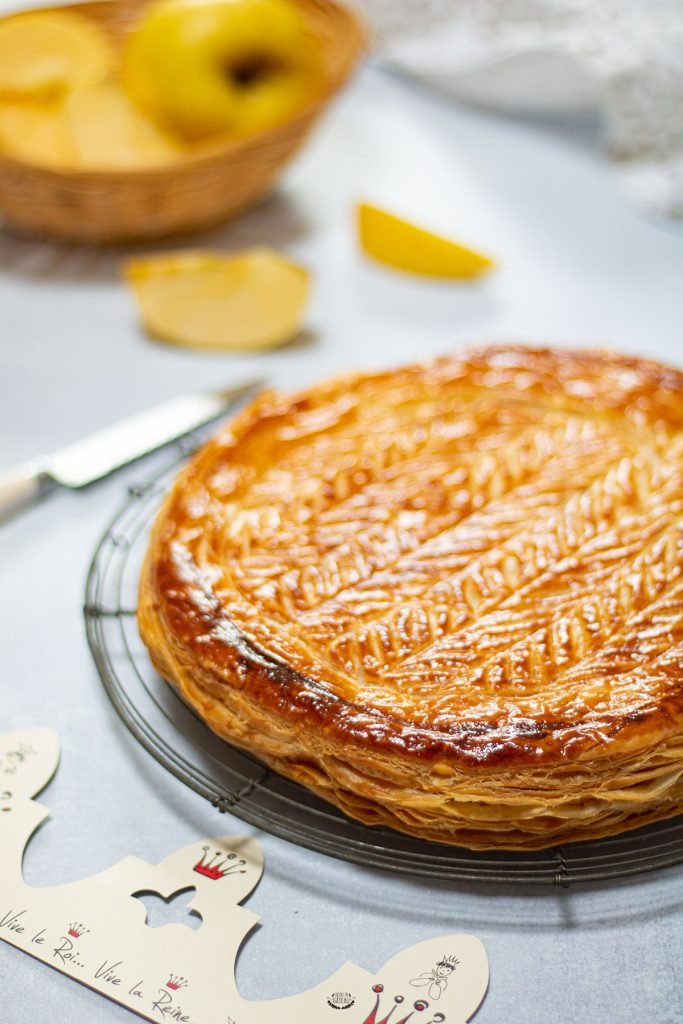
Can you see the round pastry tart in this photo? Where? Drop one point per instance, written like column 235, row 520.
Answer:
column 447, row 598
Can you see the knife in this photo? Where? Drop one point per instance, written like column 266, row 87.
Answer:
column 96, row 456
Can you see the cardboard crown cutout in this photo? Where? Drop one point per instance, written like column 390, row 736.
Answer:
column 95, row 930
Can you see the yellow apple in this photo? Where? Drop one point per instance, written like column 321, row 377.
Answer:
column 210, row 67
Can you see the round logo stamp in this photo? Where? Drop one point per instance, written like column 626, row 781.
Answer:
column 341, row 1000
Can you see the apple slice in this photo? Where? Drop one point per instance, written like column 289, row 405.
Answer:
column 45, row 53
column 36, row 133
column 405, row 246
column 110, row 133
column 250, row 300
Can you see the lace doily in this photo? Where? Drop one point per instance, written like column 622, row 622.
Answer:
column 632, row 50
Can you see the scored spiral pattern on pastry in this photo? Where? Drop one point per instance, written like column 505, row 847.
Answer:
column 447, row 597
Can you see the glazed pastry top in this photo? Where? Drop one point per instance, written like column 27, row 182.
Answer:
column 479, row 559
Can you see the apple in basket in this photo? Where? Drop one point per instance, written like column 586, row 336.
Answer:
column 203, row 68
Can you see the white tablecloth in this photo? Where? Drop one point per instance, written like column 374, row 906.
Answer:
column 576, row 267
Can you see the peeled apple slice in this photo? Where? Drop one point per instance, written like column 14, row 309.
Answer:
column 251, row 300
column 44, row 53
column 405, row 246
column 110, row 133
column 36, row 133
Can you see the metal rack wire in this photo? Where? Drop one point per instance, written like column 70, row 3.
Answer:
column 236, row 783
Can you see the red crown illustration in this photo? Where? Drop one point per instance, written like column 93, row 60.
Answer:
column 76, row 929
column 175, row 981
column 419, row 1006
column 216, row 868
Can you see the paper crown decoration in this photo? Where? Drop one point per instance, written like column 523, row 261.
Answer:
column 95, row 930
column 176, row 982
column 220, row 866
column 398, row 1004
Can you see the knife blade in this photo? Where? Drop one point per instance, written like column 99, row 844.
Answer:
column 96, row 456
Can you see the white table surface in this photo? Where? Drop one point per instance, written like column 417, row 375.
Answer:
column 577, row 266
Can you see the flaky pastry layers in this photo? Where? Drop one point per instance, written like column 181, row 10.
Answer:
column 446, row 598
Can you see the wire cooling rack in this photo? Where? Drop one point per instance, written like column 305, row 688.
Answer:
column 232, row 781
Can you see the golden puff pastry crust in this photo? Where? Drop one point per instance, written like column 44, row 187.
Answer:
column 447, row 598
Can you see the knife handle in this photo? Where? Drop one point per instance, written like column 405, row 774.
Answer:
column 21, row 486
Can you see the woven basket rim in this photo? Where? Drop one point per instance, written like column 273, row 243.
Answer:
column 209, row 154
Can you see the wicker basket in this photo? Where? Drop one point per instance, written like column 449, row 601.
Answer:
column 199, row 190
